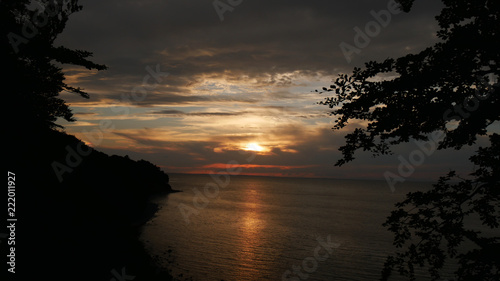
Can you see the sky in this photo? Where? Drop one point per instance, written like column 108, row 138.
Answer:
column 200, row 86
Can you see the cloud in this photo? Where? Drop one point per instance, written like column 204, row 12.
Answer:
column 246, row 79
column 205, row 114
column 169, row 112
column 255, row 55
column 290, row 151
column 256, row 39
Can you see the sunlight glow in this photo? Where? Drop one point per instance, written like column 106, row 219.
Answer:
column 254, row 147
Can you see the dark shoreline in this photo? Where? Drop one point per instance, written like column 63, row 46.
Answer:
column 87, row 226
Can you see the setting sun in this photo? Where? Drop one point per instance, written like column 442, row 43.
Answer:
column 253, row 147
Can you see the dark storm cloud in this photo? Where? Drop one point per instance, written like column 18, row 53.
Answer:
column 169, row 112
column 208, row 114
column 265, row 47
column 187, row 38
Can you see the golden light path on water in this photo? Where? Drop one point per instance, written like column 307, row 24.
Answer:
column 251, row 231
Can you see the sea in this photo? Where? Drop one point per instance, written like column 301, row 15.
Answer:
column 247, row 228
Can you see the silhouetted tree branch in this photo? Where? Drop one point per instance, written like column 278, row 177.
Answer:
column 29, row 29
column 447, row 87
column 429, row 87
column 431, row 226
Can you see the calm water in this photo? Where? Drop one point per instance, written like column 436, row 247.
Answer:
column 258, row 228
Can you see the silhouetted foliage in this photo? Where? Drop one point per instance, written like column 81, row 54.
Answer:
column 438, row 222
column 447, row 87
column 427, row 85
column 33, row 64
column 90, row 223
column 86, row 224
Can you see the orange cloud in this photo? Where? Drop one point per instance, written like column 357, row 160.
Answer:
column 247, row 170
column 254, row 166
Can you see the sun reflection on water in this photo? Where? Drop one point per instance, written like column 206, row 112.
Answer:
column 251, row 234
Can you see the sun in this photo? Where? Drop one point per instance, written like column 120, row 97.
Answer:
column 253, row 147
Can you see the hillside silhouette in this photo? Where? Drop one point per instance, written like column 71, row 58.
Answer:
column 85, row 227
column 76, row 213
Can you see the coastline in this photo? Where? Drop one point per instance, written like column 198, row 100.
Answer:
column 87, row 226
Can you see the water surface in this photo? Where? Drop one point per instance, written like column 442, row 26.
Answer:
column 264, row 228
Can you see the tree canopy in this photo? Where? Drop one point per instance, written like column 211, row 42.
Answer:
column 432, row 90
column 34, row 63
column 450, row 87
